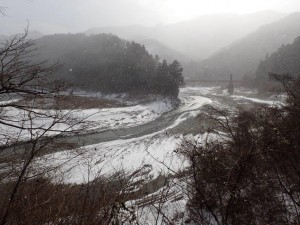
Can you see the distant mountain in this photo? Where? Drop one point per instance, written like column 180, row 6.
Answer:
column 200, row 37
column 154, row 47
column 243, row 56
column 284, row 61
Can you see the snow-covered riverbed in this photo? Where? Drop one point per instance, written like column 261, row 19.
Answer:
column 155, row 149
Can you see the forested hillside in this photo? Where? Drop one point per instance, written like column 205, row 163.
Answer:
column 109, row 64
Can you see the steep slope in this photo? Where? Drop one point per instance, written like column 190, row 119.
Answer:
column 200, row 37
column 243, row 56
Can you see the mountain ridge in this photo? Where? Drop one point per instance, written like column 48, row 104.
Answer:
column 197, row 38
column 242, row 57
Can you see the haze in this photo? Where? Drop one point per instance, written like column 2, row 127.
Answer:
column 77, row 15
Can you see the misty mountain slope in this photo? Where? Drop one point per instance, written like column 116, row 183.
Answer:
column 106, row 63
column 284, row 61
column 200, row 37
column 243, row 56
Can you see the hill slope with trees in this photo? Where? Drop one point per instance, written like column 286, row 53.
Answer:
column 109, row 64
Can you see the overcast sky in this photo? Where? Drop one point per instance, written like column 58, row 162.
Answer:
column 50, row 16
